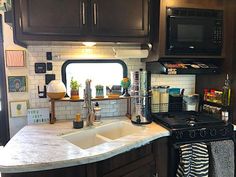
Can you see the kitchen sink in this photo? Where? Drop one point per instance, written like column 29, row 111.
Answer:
column 85, row 139
column 117, row 130
column 96, row 136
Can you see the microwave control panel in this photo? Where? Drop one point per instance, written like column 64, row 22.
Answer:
column 217, row 37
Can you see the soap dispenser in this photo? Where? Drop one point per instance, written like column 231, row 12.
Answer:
column 97, row 112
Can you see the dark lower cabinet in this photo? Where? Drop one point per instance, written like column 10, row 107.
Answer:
column 81, row 20
column 146, row 161
column 77, row 171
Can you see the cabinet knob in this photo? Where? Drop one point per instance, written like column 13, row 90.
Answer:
column 95, row 13
column 83, row 13
column 155, row 175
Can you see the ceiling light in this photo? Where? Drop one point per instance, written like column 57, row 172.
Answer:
column 89, row 44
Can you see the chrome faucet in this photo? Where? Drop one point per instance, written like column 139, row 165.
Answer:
column 90, row 116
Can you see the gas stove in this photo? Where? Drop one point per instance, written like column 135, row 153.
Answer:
column 190, row 126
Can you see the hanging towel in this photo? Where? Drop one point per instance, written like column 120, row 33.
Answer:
column 194, row 160
column 222, row 158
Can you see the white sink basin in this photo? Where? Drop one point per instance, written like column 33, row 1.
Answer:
column 85, row 139
column 117, row 130
column 96, row 136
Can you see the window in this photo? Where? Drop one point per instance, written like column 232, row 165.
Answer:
column 101, row 72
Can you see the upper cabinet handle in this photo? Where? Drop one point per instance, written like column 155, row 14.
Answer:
column 20, row 22
column 95, row 13
column 83, row 13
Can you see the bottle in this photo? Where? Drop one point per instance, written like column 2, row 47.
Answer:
column 97, row 112
column 226, row 99
column 226, row 92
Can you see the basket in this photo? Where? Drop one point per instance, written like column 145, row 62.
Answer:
column 168, row 107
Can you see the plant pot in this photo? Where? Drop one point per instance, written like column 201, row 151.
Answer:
column 74, row 94
column 126, row 93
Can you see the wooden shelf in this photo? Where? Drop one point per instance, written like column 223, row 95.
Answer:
column 67, row 99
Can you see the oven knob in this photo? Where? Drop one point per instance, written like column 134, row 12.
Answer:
column 213, row 132
column 202, row 133
column 192, row 134
column 224, row 131
column 179, row 135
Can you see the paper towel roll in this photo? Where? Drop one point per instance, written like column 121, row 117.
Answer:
column 164, row 101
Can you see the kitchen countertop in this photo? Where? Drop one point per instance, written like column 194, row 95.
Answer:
column 40, row 147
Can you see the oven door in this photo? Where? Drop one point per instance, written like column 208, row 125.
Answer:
column 191, row 35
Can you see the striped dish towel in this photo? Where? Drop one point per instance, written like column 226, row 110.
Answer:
column 194, row 160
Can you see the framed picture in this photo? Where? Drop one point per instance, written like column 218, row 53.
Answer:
column 15, row 58
column 18, row 108
column 17, row 84
column 38, row 115
column 8, row 4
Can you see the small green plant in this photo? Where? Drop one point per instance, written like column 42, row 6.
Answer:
column 99, row 86
column 74, row 85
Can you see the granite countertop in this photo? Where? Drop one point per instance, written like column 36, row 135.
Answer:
column 41, row 147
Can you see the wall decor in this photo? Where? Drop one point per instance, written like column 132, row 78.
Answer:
column 8, row 4
column 49, row 78
column 18, row 108
column 37, row 116
column 42, row 93
column 17, row 84
column 15, row 58
column 40, row 67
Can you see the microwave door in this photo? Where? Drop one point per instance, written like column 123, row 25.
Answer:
column 187, row 35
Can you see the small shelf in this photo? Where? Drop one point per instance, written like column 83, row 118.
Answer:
column 213, row 103
column 67, row 99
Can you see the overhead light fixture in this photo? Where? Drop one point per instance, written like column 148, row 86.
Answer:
column 89, row 44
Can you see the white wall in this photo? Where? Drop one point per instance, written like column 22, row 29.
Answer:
column 15, row 124
column 68, row 110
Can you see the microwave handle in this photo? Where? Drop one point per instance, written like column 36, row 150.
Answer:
column 171, row 47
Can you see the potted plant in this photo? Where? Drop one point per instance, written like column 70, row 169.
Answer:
column 99, row 91
column 125, row 83
column 74, row 93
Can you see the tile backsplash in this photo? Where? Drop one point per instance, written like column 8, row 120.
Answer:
column 67, row 110
column 186, row 82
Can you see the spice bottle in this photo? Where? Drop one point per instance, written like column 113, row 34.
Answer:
column 226, row 92
column 226, row 99
column 97, row 112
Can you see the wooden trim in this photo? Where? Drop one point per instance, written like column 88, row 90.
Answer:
column 4, row 123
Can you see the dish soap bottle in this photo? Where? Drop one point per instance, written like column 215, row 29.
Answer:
column 97, row 112
column 226, row 99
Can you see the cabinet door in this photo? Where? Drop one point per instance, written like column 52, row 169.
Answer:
column 52, row 17
column 120, row 18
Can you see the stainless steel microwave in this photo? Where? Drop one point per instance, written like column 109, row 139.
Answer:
column 194, row 32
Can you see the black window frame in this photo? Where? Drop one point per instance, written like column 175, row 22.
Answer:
column 66, row 63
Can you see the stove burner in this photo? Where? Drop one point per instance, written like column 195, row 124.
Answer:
column 191, row 123
column 192, row 118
